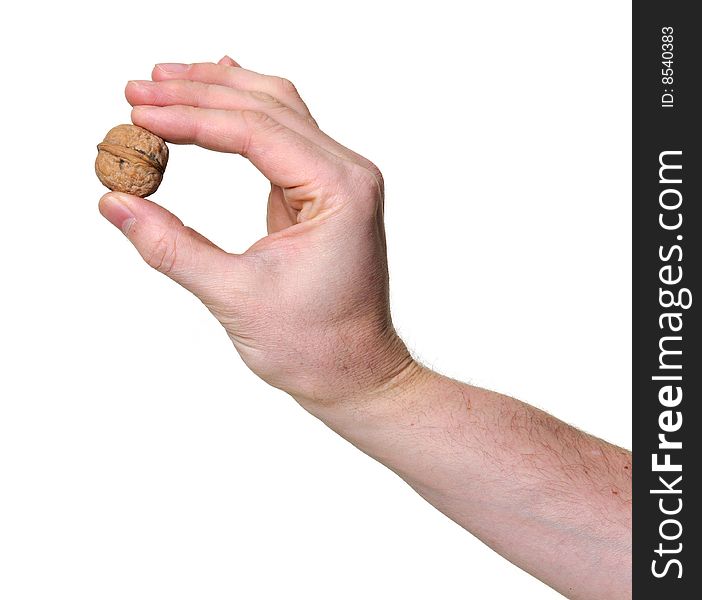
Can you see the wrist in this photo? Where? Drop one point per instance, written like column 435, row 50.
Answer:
column 392, row 404
column 374, row 374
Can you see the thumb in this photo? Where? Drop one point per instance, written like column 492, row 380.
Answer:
column 169, row 246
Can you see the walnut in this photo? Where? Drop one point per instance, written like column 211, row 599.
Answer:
column 131, row 160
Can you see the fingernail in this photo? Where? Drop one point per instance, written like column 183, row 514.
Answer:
column 140, row 83
column 173, row 67
column 144, row 108
column 114, row 208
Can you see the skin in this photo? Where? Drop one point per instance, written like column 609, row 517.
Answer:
column 307, row 308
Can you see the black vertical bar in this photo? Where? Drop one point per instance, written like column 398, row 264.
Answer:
column 666, row 128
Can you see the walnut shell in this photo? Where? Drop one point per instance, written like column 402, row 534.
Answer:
column 131, row 160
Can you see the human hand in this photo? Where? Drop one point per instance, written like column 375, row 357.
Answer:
column 307, row 306
column 307, row 309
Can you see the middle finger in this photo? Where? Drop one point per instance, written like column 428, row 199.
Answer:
column 203, row 95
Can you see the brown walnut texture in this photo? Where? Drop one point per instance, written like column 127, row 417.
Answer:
column 131, row 160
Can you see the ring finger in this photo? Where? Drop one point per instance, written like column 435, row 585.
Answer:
column 233, row 77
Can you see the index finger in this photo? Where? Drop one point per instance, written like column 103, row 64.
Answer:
column 285, row 157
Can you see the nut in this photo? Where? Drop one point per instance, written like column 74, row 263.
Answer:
column 131, row 160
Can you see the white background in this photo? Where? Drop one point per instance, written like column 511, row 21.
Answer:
column 138, row 457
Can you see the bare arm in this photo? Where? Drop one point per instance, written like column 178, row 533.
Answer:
column 307, row 308
column 551, row 499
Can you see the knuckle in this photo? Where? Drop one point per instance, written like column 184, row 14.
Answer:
column 270, row 104
column 286, row 86
column 264, row 97
column 256, row 122
column 257, row 119
column 365, row 180
column 375, row 171
column 365, row 189
column 203, row 95
column 162, row 254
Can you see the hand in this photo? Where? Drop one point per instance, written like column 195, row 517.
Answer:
column 307, row 306
column 307, row 309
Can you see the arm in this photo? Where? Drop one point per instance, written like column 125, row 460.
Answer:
column 551, row 499
column 307, row 308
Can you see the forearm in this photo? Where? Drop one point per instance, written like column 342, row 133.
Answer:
column 550, row 498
